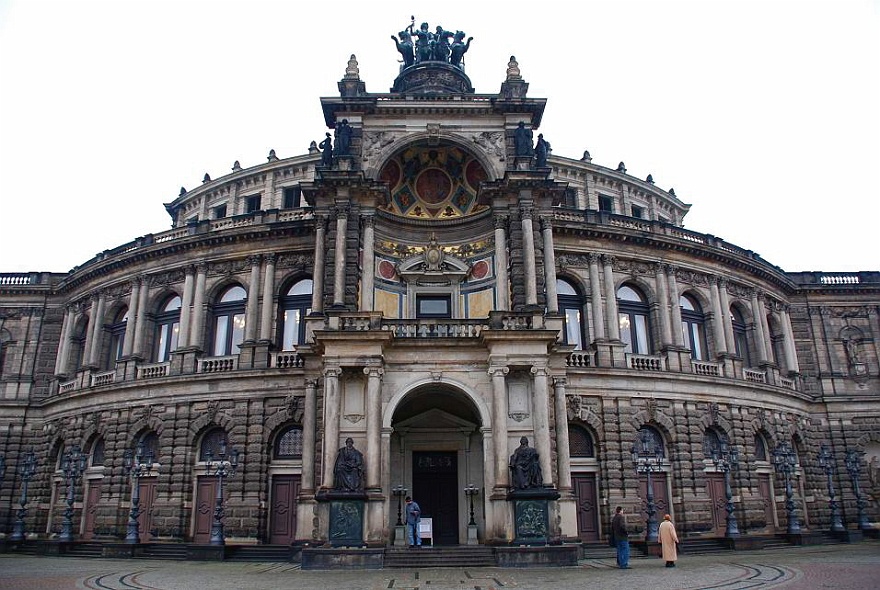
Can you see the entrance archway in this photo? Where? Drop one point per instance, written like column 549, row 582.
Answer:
column 437, row 451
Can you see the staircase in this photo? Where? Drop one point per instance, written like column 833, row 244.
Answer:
column 427, row 557
column 173, row 551
column 279, row 553
column 84, row 549
column 598, row 551
column 706, row 546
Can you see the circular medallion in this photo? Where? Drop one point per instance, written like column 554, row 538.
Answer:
column 386, row 270
column 433, row 186
column 480, row 270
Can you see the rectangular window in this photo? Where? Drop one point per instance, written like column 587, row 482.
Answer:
column 433, row 306
column 220, row 212
column 638, row 211
column 292, row 197
column 606, row 204
column 252, row 204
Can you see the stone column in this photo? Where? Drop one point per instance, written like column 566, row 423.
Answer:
column 760, row 336
column 499, row 425
column 133, row 302
column 67, row 327
column 197, row 325
column 374, row 426
column 529, row 256
column 250, row 313
column 331, row 423
column 610, row 299
column 95, row 330
column 725, row 316
column 141, row 320
column 368, row 265
column 677, row 336
column 310, row 420
column 596, row 298
column 541, row 420
column 563, row 452
column 549, row 265
column 318, row 272
column 718, row 324
column 790, row 356
column 186, row 301
column 268, row 298
column 664, row 312
column 502, row 286
column 339, row 256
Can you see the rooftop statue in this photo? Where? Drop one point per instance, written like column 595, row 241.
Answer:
column 431, row 46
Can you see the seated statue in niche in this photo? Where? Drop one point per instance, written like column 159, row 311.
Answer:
column 348, row 472
column 525, row 471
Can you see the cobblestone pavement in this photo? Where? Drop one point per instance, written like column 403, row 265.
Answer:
column 842, row 567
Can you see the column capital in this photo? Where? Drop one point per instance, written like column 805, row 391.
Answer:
column 608, row 259
column 546, row 222
column 501, row 221
column 311, row 383
column 560, row 380
column 374, row 371
column 254, row 260
column 270, row 258
column 525, row 212
column 498, row 371
column 368, row 221
column 332, row 371
column 202, row 268
column 537, row 371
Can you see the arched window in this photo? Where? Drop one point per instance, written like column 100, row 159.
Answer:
column 650, row 435
column 167, row 328
column 712, row 440
column 777, row 341
column 740, row 336
column 78, row 344
column 633, row 315
column 295, row 306
column 571, row 306
column 213, row 443
column 580, row 443
column 150, row 444
column 693, row 327
column 760, row 448
column 96, row 456
column 229, row 321
column 289, row 444
column 116, row 329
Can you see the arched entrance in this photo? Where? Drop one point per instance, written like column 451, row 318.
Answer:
column 436, row 452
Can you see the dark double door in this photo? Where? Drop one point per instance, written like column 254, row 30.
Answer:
column 435, row 488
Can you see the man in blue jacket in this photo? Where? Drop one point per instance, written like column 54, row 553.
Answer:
column 413, row 516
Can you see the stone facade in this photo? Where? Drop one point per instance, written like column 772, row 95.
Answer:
column 434, row 297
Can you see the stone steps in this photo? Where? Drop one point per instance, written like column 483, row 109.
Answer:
column 460, row 556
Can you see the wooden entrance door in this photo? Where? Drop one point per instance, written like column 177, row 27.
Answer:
column 584, row 485
column 147, row 489
column 661, row 495
column 435, row 489
column 93, row 496
column 206, row 492
column 282, row 519
column 765, row 492
column 718, row 497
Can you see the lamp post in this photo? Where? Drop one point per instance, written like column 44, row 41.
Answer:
column 2, row 467
column 726, row 457
column 470, row 491
column 136, row 464
column 73, row 463
column 399, row 492
column 784, row 460
column 222, row 468
column 853, row 462
column 647, row 457
column 26, row 470
column 826, row 462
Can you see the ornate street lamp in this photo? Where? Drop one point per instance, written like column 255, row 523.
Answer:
column 136, row 465
column 647, row 457
column 26, row 470
column 826, row 462
column 784, row 460
column 470, row 491
column 73, row 464
column 399, row 492
column 2, row 467
column 853, row 462
column 222, row 468
column 726, row 457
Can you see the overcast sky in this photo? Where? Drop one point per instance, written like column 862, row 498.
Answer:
column 763, row 115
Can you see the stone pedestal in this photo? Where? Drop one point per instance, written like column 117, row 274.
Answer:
column 531, row 515
column 400, row 535
column 346, row 527
column 472, row 535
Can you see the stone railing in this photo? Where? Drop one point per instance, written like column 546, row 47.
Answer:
column 755, row 376
column 153, row 370
column 434, row 328
column 579, row 358
column 67, row 386
column 707, row 369
column 103, row 378
column 787, row 383
column 645, row 362
column 287, row 360
column 217, row 364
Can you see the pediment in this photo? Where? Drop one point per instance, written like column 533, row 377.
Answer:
column 434, row 420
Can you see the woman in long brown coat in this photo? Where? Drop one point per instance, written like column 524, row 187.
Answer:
column 669, row 541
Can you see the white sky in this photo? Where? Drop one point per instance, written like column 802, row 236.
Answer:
column 764, row 115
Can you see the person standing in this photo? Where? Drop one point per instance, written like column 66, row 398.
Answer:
column 413, row 516
column 621, row 538
column 669, row 541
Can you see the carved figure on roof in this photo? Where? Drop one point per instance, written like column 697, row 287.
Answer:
column 441, row 44
column 343, row 138
column 326, row 151
column 542, row 150
column 405, row 48
column 458, row 48
column 522, row 140
column 424, row 43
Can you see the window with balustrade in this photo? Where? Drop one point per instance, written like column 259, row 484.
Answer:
column 229, row 321
column 632, row 306
column 167, row 328
column 296, row 304
column 740, row 336
column 116, row 331
column 571, row 306
column 693, row 328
